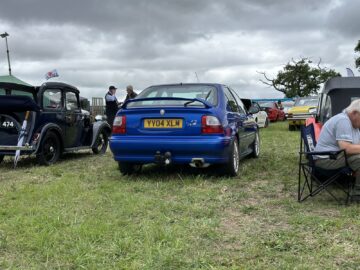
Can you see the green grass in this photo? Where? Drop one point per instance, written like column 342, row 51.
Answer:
column 82, row 214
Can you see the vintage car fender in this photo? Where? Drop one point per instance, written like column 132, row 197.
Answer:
column 97, row 128
column 46, row 128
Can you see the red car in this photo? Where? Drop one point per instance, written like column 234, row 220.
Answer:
column 273, row 111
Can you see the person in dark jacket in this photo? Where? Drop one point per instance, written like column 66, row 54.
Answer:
column 112, row 105
column 130, row 92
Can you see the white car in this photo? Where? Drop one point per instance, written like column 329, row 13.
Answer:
column 261, row 118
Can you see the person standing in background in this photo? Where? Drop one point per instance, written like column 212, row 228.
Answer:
column 130, row 93
column 112, row 105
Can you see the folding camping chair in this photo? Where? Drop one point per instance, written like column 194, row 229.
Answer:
column 312, row 179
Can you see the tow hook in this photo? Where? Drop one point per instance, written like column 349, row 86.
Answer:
column 164, row 159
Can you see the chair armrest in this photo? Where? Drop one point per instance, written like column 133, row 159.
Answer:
column 331, row 154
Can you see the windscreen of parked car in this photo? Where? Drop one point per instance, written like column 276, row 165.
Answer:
column 337, row 101
column 287, row 106
column 205, row 92
column 307, row 102
column 52, row 99
column 71, row 101
column 266, row 104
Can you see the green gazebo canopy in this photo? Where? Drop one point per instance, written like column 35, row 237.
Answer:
column 9, row 79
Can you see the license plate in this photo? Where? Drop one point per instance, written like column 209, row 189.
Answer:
column 163, row 123
column 7, row 124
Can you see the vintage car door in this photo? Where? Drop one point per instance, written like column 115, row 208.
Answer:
column 74, row 120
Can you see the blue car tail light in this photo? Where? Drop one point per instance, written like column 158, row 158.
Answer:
column 211, row 125
column 119, row 126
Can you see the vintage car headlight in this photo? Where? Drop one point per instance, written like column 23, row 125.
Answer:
column 313, row 110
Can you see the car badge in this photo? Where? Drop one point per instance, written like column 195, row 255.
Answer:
column 192, row 123
column 162, row 112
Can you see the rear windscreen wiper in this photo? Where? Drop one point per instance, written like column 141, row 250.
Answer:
column 189, row 102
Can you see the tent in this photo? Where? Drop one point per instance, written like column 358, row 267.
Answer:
column 9, row 81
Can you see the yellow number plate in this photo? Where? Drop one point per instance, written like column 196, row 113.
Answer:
column 163, row 123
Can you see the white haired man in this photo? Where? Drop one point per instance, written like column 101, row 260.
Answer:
column 342, row 132
column 130, row 93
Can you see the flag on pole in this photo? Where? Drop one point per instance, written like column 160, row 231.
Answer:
column 21, row 138
column 51, row 74
column 349, row 72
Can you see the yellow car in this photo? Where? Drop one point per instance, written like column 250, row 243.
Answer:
column 304, row 108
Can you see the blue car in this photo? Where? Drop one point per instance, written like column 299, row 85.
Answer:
column 197, row 124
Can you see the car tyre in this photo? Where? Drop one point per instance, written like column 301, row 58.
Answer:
column 256, row 146
column 50, row 149
column 1, row 158
column 101, row 143
column 127, row 168
column 231, row 168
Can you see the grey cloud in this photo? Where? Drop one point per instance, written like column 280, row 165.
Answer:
column 345, row 19
column 96, row 43
column 169, row 21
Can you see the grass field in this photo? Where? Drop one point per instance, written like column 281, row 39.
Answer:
column 82, row 214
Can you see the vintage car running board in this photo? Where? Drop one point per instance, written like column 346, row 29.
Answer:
column 14, row 147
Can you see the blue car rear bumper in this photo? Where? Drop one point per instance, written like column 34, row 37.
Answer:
column 142, row 149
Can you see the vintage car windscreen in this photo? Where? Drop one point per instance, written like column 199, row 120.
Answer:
column 205, row 92
column 52, row 99
column 307, row 102
column 71, row 101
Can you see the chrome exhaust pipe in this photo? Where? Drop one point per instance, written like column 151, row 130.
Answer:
column 198, row 163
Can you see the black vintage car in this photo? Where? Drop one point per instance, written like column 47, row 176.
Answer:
column 46, row 121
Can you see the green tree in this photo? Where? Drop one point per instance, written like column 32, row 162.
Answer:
column 300, row 78
column 357, row 60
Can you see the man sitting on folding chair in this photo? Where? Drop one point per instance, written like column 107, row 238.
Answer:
column 341, row 132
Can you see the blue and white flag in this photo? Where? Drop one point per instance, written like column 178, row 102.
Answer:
column 349, row 72
column 51, row 74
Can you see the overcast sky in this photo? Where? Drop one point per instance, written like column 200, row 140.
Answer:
column 94, row 44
